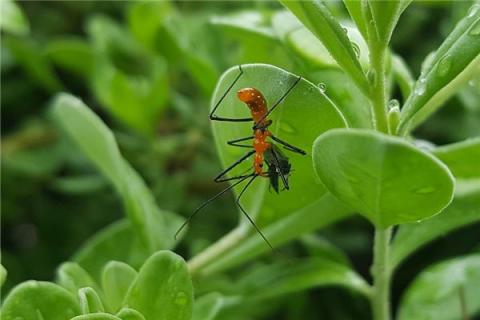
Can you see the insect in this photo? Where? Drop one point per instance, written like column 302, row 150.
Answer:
column 263, row 150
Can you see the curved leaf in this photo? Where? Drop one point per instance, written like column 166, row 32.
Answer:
column 96, row 316
column 3, row 275
column 453, row 64
column 208, row 306
column 163, row 288
column 117, row 278
column 461, row 158
column 386, row 179
column 73, row 277
column 318, row 18
column 354, row 8
column 130, row 314
column 385, row 16
column 90, row 302
column 32, row 300
column 437, row 293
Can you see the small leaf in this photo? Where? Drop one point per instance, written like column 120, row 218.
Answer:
column 207, row 307
column 385, row 16
column 438, row 291
column 96, row 316
column 354, row 8
column 318, row 18
column 90, row 302
column 461, row 158
column 453, row 64
column 163, row 289
column 130, row 314
column 154, row 227
column 73, row 277
column 117, row 278
column 464, row 210
column 386, row 179
column 73, row 54
column 34, row 300
column 285, row 278
column 12, row 19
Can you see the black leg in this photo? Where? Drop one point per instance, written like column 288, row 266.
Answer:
column 248, row 216
column 207, row 202
column 289, row 146
column 212, row 114
column 236, row 163
column 234, row 142
column 282, row 98
column 279, row 171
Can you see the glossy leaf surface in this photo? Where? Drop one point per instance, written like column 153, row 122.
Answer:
column 117, row 278
column 90, row 302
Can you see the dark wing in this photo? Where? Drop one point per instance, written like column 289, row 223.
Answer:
column 278, row 165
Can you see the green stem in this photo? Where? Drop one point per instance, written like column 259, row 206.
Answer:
column 381, row 275
column 378, row 83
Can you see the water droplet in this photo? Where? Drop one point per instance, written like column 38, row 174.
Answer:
column 475, row 31
column 345, row 29
column 322, row 87
column 444, row 65
column 393, row 104
column 371, row 76
column 181, row 299
column 356, row 49
column 473, row 10
column 287, row 128
column 425, row 190
column 420, row 87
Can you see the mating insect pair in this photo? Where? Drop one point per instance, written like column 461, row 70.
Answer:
column 263, row 150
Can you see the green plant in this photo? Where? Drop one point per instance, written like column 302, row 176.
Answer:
column 362, row 158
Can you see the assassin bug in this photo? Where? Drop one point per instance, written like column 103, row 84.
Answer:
column 263, row 151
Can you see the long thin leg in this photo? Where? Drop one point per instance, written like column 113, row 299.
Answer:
column 236, row 163
column 288, row 146
column 279, row 171
column 282, row 98
column 234, row 142
column 214, row 117
column 248, row 216
column 208, row 202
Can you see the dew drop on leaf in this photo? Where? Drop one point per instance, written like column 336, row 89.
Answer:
column 345, row 29
column 473, row 10
column 322, row 87
column 393, row 104
column 420, row 87
column 356, row 49
column 181, row 299
column 444, row 65
column 424, row 190
column 372, row 76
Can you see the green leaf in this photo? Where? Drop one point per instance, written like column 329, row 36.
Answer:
column 163, row 289
column 385, row 16
column 386, row 179
column 3, row 275
column 317, row 17
column 461, row 158
column 250, row 22
column 437, row 292
column 207, row 307
column 117, row 241
column 73, row 54
column 303, row 115
column 96, row 316
column 12, row 19
column 464, row 210
column 90, row 302
column 117, row 278
column 285, row 278
column 130, row 314
column 34, row 300
column 354, row 8
column 327, row 210
column 453, row 64
column 73, row 277
column 154, row 227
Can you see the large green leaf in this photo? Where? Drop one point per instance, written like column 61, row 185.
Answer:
column 385, row 16
column 453, row 64
column 73, row 277
column 318, row 18
column 116, row 280
column 303, row 115
column 462, row 158
column 386, row 179
column 154, row 226
column 34, row 300
column 464, row 210
column 163, row 289
column 437, row 293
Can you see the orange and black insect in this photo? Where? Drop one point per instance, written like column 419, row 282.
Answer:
column 263, row 150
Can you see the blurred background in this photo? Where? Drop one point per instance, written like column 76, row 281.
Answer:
column 148, row 69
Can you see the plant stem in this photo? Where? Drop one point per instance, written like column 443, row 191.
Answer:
column 381, row 274
column 378, row 83
column 217, row 249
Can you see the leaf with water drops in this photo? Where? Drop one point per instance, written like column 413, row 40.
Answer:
column 439, row 291
column 452, row 65
column 34, row 300
column 163, row 289
column 116, row 280
column 382, row 177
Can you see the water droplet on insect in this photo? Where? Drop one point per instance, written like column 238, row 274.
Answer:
column 371, row 76
column 473, row 10
column 444, row 65
column 288, row 128
column 181, row 298
column 425, row 190
column 356, row 49
column 420, row 87
column 393, row 104
column 475, row 31
column 322, row 87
